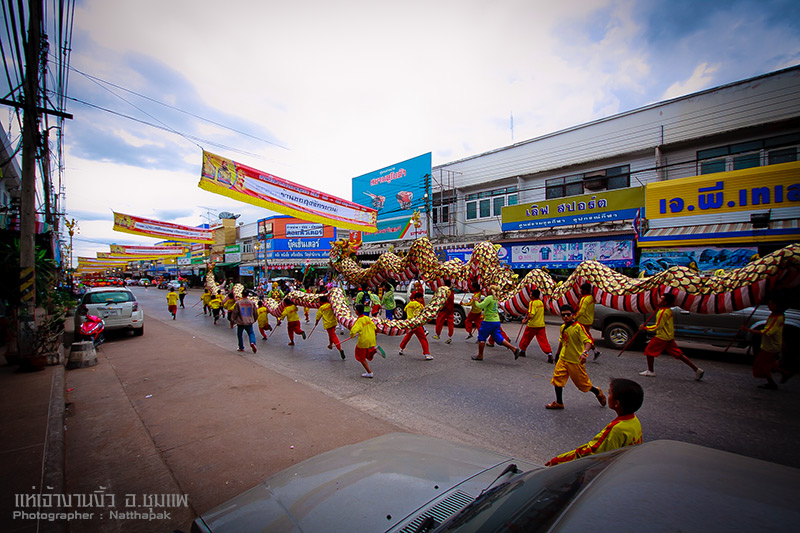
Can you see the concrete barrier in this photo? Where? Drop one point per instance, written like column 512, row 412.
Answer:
column 82, row 355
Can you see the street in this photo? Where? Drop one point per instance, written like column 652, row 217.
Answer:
column 499, row 403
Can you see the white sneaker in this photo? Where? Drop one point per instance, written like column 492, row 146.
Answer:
column 648, row 373
column 436, row 337
column 698, row 375
column 469, row 336
column 366, row 375
column 400, row 352
column 428, row 357
column 448, row 341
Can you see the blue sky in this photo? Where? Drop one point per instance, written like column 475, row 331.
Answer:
column 320, row 92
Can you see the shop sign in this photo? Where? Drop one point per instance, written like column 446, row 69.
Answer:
column 303, row 230
column 752, row 189
column 246, row 271
column 703, row 258
column 619, row 204
column 569, row 254
column 235, row 248
column 183, row 261
column 234, row 257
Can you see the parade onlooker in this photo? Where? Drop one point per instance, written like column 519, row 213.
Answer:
column 664, row 341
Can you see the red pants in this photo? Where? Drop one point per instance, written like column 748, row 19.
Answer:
column 292, row 328
column 365, row 354
column 541, row 338
column 441, row 318
column 333, row 338
column 656, row 346
column 422, row 340
column 473, row 320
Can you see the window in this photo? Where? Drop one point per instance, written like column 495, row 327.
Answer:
column 490, row 203
column 772, row 151
column 247, row 247
column 589, row 182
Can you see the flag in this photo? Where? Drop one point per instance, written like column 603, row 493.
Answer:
column 636, row 224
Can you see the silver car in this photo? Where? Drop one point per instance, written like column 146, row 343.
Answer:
column 410, row 483
column 117, row 306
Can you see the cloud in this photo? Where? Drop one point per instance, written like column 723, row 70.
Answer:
column 700, row 79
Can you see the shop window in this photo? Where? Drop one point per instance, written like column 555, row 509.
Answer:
column 589, row 182
column 490, row 203
column 784, row 155
column 772, row 151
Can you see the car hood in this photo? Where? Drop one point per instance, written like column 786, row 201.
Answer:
column 375, row 485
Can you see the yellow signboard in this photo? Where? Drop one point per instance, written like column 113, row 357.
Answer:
column 752, row 189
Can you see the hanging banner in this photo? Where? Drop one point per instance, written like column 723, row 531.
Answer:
column 148, row 250
column 240, row 182
column 161, row 230
column 136, row 257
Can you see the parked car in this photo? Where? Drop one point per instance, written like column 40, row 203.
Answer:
column 618, row 327
column 410, row 483
column 117, row 306
column 460, row 308
column 173, row 285
column 144, row 282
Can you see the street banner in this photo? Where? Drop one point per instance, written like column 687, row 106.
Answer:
column 161, row 230
column 240, row 182
column 137, row 257
column 148, row 250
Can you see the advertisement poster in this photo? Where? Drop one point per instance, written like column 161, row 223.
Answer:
column 569, row 254
column 161, row 230
column 704, row 259
column 395, row 192
column 240, row 182
column 297, row 249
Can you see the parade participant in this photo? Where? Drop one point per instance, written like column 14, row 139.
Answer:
column 625, row 397
column 172, row 302
column 325, row 313
column 664, row 341
column 414, row 308
column 475, row 315
column 215, row 304
column 766, row 360
column 276, row 293
column 206, row 298
column 585, row 314
column 293, row 320
column 490, row 327
column 182, row 294
column 535, row 327
column 445, row 314
column 573, row 349
column 263, row 320
column 387, row 301
column 228, row 304
column 366, row 344
column 375, row 300
column 244, row 315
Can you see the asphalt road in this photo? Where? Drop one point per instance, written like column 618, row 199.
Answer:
column 499, row 403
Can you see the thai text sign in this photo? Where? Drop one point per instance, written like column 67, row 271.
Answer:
column 619, row 204
column 155, row 228
column 304, row 230
column 310, row 248
column 770, row 187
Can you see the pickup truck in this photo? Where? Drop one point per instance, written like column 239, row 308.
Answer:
column 618, row 327
column 460, row 308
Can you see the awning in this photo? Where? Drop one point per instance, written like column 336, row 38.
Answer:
column 228, row 265
column 711, row 234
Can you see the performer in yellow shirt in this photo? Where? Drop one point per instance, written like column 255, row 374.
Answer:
column 475, row 315
column 573, row 349
column 172, row 302
column 325, row 313
column 366, row 344
column 625, row 397
column 535, row 328
column 215, row 304
column 664, row 341
column 766, row 360
column 585, row 313
column 263, row 320
column 182, row 294
column 293, row 320
column 414, row 308
column 206, row 298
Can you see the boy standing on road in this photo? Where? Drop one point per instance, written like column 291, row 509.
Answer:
column 536, row 328
column 585, row 314
column 664, row 341
column 244, row 316
column 172, row 302
column 445, row 314
column 625, row 397
column 414, row 308
column 293, row 320
column 325, row 313
column 365, row 329
column 573, row 349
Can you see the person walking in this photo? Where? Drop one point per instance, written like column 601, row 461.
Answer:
column 490, row 327
column 445, row 314
column 387, row 301
column 215, row 304
column 206, row 298
column 664, row 341
column 263, row 320
column 244, row 315
column 585, row 314
column 293, row 321
column 182, row 294
column 414, row 308
column 364, row 329
column 325, row 313
column 771, row 334
column 536, row 328
column 475, row 315
column 172, row 302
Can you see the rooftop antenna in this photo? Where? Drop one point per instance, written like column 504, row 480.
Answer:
column 208, row 216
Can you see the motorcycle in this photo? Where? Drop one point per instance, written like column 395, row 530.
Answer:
column 92, row 330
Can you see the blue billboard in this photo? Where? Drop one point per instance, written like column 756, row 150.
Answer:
column 395, row 192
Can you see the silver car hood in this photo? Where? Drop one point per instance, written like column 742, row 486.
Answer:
column 376, row 485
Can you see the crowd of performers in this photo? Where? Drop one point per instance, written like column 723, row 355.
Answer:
column 575, row 343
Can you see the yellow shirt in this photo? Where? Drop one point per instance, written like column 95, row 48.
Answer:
column 413, row 309
column 328, row 318
column 206, row 297
column 365, row 329
column 475, row 299
column 290, row 311
column 625, row 430
column 181, row 290
column 263, row 317
column 664, row 326
column 585, row 314
column 536, row 314
column 573, row 342
column 215, row 303
column 172, row 298
column 229, row 304
column 772, row 334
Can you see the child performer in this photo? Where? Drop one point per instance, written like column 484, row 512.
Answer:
column 375, row 303
column 475, row 315
column 490, row 327
column 414, row 308
column 293, row 320
column 535, row 328
column 215, row 304
column 625, row 397
column 387, row 301
column 664, row 341
column 325, row 313
column 263, row 320
column 364, row 328
column 172, row 302
column 573, row 349
column 206, row 298
column 585, row 314
column 445, row 314
column 228, row 305
column 766, row 360
column 182, row 294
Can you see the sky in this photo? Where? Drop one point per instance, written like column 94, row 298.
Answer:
column 319, row 92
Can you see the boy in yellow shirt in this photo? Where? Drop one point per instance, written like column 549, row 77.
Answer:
column 766, row 360
column 293, row 320
column 325, row 313
column 585, row 313
column 573, row 349
column 535, row 328
column 206, row 298
column 475, row 315
column 664, row 341
column 625, row 397
column 414, row 308
column 263, row 319
column 172, row 302
column 215, row 304
column 366, row 344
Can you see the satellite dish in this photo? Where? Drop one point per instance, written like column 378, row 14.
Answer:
column 228, row 215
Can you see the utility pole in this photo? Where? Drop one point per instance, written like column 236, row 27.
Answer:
column 30, row 131
column 428, row 203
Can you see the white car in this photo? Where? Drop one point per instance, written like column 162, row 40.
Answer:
column 117, row 306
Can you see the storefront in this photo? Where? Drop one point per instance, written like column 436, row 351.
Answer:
column 291, row 247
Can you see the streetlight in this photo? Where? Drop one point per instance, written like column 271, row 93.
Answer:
column 72, row 227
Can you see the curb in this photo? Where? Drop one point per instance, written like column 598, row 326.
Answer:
column 53, row 460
